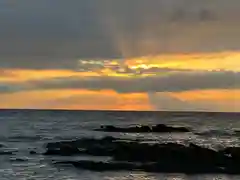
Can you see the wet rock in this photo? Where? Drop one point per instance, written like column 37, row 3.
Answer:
column 164, row 128
column 2, row 145
column 128, row 151
column 6, row 152
column 160, row 128
column 32, row 152
column 208, row 156
column 63, row 150
column 170, row 157
column 98, row 147
column 214, row 133
column 232, row 151
column 100, row 166
column 234, row 154
column 18, row 159
column 161, row 167
column 137, row 152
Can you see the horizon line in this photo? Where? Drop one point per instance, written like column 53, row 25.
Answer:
column 110, row 110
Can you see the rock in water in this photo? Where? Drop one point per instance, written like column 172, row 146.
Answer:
column 170, row 157
column 160, row 128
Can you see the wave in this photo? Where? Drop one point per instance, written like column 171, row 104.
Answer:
column 215, row 132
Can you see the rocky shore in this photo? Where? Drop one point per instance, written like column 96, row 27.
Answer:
column 135, row 155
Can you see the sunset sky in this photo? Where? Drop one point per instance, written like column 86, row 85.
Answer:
column 174, row 55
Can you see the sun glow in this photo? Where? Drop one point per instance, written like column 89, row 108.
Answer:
column 125, row 69
column 204, row 61
column 227, row 61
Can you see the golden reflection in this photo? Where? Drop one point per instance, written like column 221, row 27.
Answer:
column 132, row 176
column 146, row 176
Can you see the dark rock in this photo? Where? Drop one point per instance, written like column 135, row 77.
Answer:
column 32, row 152
column 234, row 155
column 170, row 157
column 208, row 156
column 2, row 145
column 110, row 128
column 214, row 133
column 19, row 159
column 147, row 167
column 98, row 147
column 137, row 152
column 160, row 128
column 232, row 151
column 164, row 128
column 100, row 166
column 6, row 152
column 64, row 150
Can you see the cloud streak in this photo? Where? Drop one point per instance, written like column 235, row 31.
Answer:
column 176, row 82
column 169, row 83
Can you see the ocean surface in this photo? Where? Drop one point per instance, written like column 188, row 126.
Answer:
column 24, row 130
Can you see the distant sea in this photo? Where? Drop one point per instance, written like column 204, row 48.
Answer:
column 22, row 131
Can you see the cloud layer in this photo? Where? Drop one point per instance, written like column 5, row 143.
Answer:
column 170, row 83
column 176, row 82
column 63, row 50
column 55, row 34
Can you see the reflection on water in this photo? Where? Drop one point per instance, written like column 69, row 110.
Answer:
column 148, row 176
column 133, row 176
column 214, row 177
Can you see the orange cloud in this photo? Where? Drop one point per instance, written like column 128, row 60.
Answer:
column 209, row 100
column 21, row 75
column 212, row 94
column 228, row 61
column 75, row 99
column 107, row 99
column 212, row 100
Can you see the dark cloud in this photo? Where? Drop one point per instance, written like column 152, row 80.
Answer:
column 176, row 82
column 202, row 15
column 173, row 83
column 5, row 88
column 44, row 34
column 56, row 33
column 11, row 87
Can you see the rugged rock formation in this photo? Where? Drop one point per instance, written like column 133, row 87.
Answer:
column 134, row 155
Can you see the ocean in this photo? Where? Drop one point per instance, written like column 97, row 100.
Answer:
column 22, row 131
